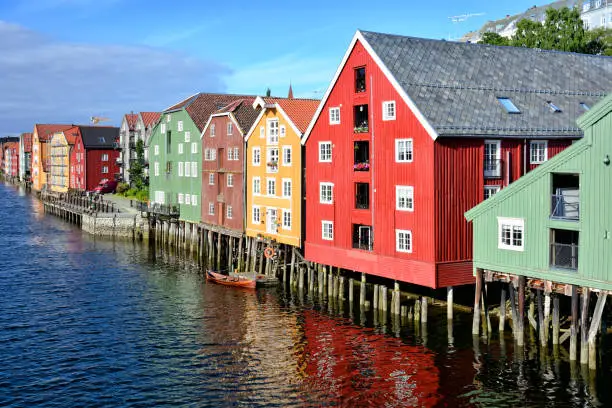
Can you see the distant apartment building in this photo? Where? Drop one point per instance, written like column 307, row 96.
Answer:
column 134, row 127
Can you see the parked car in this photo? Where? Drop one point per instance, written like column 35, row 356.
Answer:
column 106, row 186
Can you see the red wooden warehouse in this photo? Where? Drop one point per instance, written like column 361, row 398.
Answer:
column 223, row 171
column 414, row 132
column 93, row 156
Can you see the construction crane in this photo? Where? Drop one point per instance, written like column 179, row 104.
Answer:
column 97, row 119
column 462, row 17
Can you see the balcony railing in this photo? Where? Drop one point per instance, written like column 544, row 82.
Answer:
column 492, row 168
column 170, row 210
column 566, row 206
column 564, row 256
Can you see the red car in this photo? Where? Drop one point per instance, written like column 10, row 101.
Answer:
column 106, row 186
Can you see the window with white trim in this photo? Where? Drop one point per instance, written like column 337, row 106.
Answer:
column 236, row 153
column 211, row 179
column 404, row 198
column 490, row 191
column 286, row 155
column 156, row 169
column 272, row 131
column 272, row 160
column 403, row 241
column 180, row 169
column 403, row 150
column 287, row 188
column 187, row 169
column 230, row 128
column 211, row 208
column 256, row 186
column 105, row 170
column 271, row 186
column 283, row 131
column 210, row 154
column 327, row 230
column 194, row 200
column 187, row 199
column 156, row 150
column 326, row 193
column 388, row 108
column 262, row 132
column 286, row 219
column 492, row 158
column 256, row 156
column 181, row 198
column 538, row 151
column 187, row 137
column 228, row 213
column 194, row 169
column 168, row 117
column 256, row 214
column 212, row 130
column 510, row 232
column 194, row 147
column 105, row 157
column 334, row 116
column 230, row 180
column 179, row 126
column 230, row 154
column 180, row 148
column 325, row 152
column 163, row 128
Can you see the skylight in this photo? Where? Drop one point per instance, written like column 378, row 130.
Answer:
column 584, row 106
column 508, row 105
column 553, row 107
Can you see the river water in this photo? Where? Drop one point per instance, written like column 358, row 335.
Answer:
column 87, row 322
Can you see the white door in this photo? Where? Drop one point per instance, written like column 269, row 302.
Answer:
column 272, row 226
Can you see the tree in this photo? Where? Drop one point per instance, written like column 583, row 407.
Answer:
column 136, row 170
column 268, row 92
column 494, row 39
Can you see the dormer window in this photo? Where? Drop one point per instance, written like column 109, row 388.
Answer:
column 508, row 105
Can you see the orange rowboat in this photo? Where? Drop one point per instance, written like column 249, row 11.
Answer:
column 237, row 281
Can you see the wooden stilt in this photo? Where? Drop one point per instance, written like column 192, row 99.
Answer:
column 341, row 288
column 301, row 279
column 546, row 317
column 230, row 255
column 417, row 310
column 520, row 335
column 383, row 299
column 240, row 262
column 477, row 297
column 423, row 309
column 502, row 309
column 218, row 262
column 595, row 323
column 543, row 340
column 261, row 258
column 292, row 261
column 513, row 311
column 397, row 300
column 375, row 299
column 350, row 290
column 555, row 320
column 574, row 325
column 211, row 250
column 584, row 326
column 449, row 303
column 362, row 290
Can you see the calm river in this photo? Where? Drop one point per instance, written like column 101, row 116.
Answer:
column 97, row 323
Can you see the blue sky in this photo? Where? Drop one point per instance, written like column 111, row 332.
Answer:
column 63, row 61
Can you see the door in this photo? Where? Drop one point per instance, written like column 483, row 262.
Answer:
column 365, row 238
column 271, row 223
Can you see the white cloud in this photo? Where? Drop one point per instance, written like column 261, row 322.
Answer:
column 42, row 80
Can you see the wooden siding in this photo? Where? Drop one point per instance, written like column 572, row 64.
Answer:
column 220, row 194
column 39, row 153
column 94, row 165
column 554, row 147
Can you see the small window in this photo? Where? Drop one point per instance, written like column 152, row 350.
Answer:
column 326, row 193
column 403, row 241
column 179, row 127
column 187, row 199
column 283, row 131
column 490, row 191
column 194, row 147
column 272, row 160
column 180, row 169
column 168, row 117
column 230, row 128
column 404, row 198
column 194, row 169
column 180, row 148
column 334, row 116
column 510, row 231
column 211, row 208
column 286, row 155
column 101, row 140
column 236, row 155
column 212, row 130
column 256, row 156
column 286, row 219
column 538, row 151
column 211, row 179
column 187, row 169
column 403, row 150
column 360, row 79
column 584, row 106
column 325, row 152
column 262, row 132
column 256, row 215
column 553, row 107
column 272, row 131
column 286, row 188
column 156, row 169
column 389, row 110
column 271, row 187
column 230, row 154
column 230, row 180
column 327, row 230
column 163, row 128
column 156, row 150
column 508, row 105
column 229, row 212
column 187, row 136
column 256, row 186
column 105, row 170
column 194, row 200
column 105, row 157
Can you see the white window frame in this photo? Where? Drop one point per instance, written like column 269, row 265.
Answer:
column 286, row 182
column 268, row 181
column 327, row 236
column 230, row 154
column 407, row 193
column 409, row 152
column 492, row 191
column 168, row 117
column 228, row 212
column 181, row 198
column 187, row 136
column 262, row 132
column 156, row 150
column 179, row 126
column 194, row 148
column 211, row 179
column 323, row 153
column 285, row 150
column 398, row 235
column 194, row 169
column 535, row 146
column 104, row 169
column 286, row 226
column 230, row 128
column 511, row 225
column 180, row 169
column 256, row 210
column 325, row 200
column 236, row 153
column 194, row 200
column 211, row 208
column 495, row 173
column 212, row 130
column 105, row 157
column 187, row 170
column 389, row 110
column 256, row 156
column 162, row 128
column 187, row 199
column 230, row 180
column 180, row 148
column 156, row 169
column 273, row 127
column 272, row 169
column 334, row 115
column 257, row 182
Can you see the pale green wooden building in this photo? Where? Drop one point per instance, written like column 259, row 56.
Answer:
column 555, row 223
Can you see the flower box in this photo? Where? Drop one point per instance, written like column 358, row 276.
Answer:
column 361, row 167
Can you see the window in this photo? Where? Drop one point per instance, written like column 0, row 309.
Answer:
column 508, row 105
column 256, row 156
column 286, row 155
column 194, row 169
column 492, row 161
column 262, row 132
column 510, row 231
column 194, row 200
column 211, row 208
column 584, row 106
column 256, row 186
column 490, row 191
column 325, row 152
column 272, row 158
column 211, row 179
column 554, row 108
column 180, row 148
column 210, row 154
column 327, row 230
column 180, row 169
column 194, row 147
column 325, row 193
column 403, row 150
column 404, row 198
column 187, row 136
column 286, row 219
column 160, row 197
column 538, row 151
column 228, row 213
column 403, row 241
column 168, row 118
column 360, row 79
column 163, row 128
column 187, row 170
column 156, row 169
column 283, row 131
column 334, row 116
column 256, row 215
column 187, row 199
column 272, row 131
column 156, row 150
column 179, row 127
column 230, row 180
column 236, row 154
column 271, row 187
column 230, row 128
column 286, row 188
column 388, row 110
column 181, row 198
column 212, row 130
column 105, row 157
column 105, row 170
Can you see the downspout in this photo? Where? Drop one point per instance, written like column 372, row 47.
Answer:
column 524, row 157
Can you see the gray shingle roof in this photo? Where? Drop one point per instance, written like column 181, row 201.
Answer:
column 456, row 85
column 99, row 137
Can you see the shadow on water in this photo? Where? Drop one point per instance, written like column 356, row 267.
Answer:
column 91, row 322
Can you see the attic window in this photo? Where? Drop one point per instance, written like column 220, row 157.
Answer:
column 553, row 107
column 508, row 105
column 584, row 106
column 101, row 140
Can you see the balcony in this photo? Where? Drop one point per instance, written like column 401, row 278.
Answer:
column 362, row 156
column 492, row 168
column 361, row 119
column 565, row 197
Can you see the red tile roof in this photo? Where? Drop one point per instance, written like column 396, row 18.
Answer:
column 27, row 142
column 45, row 132
column 300, row 111
column 149, row 118
column 131, row 119
column 72, row 134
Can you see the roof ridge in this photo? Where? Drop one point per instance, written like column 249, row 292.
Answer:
column 459, row 85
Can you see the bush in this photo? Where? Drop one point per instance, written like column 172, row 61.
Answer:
column 142, row 195
column 122, row 188
column 131, row 192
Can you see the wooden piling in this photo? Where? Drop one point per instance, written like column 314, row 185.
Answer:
column 350, row 290
column 449, row 303
column 383, row 299
column 211, row 250
column 375, row 298
column 219, row 242
column 292, row 261
column 502, row 309
column 396, row 300
column 261, row 258
column 546, row 317
column 555, row 320
column 584, row 326
column 574, row 325
column 595, row 323
column 362, row 293
column 423, row 309
column 543, row 341
column 301, row 279
column 417, row 310
column 477, row 297
column 341, row 288
column 520, row 332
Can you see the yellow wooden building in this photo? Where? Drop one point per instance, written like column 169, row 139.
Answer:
column 41, row 146
column 274, row 169
column 58, row 179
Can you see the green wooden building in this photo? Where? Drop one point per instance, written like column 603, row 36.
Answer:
column 555, row 223
column 175, row 154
